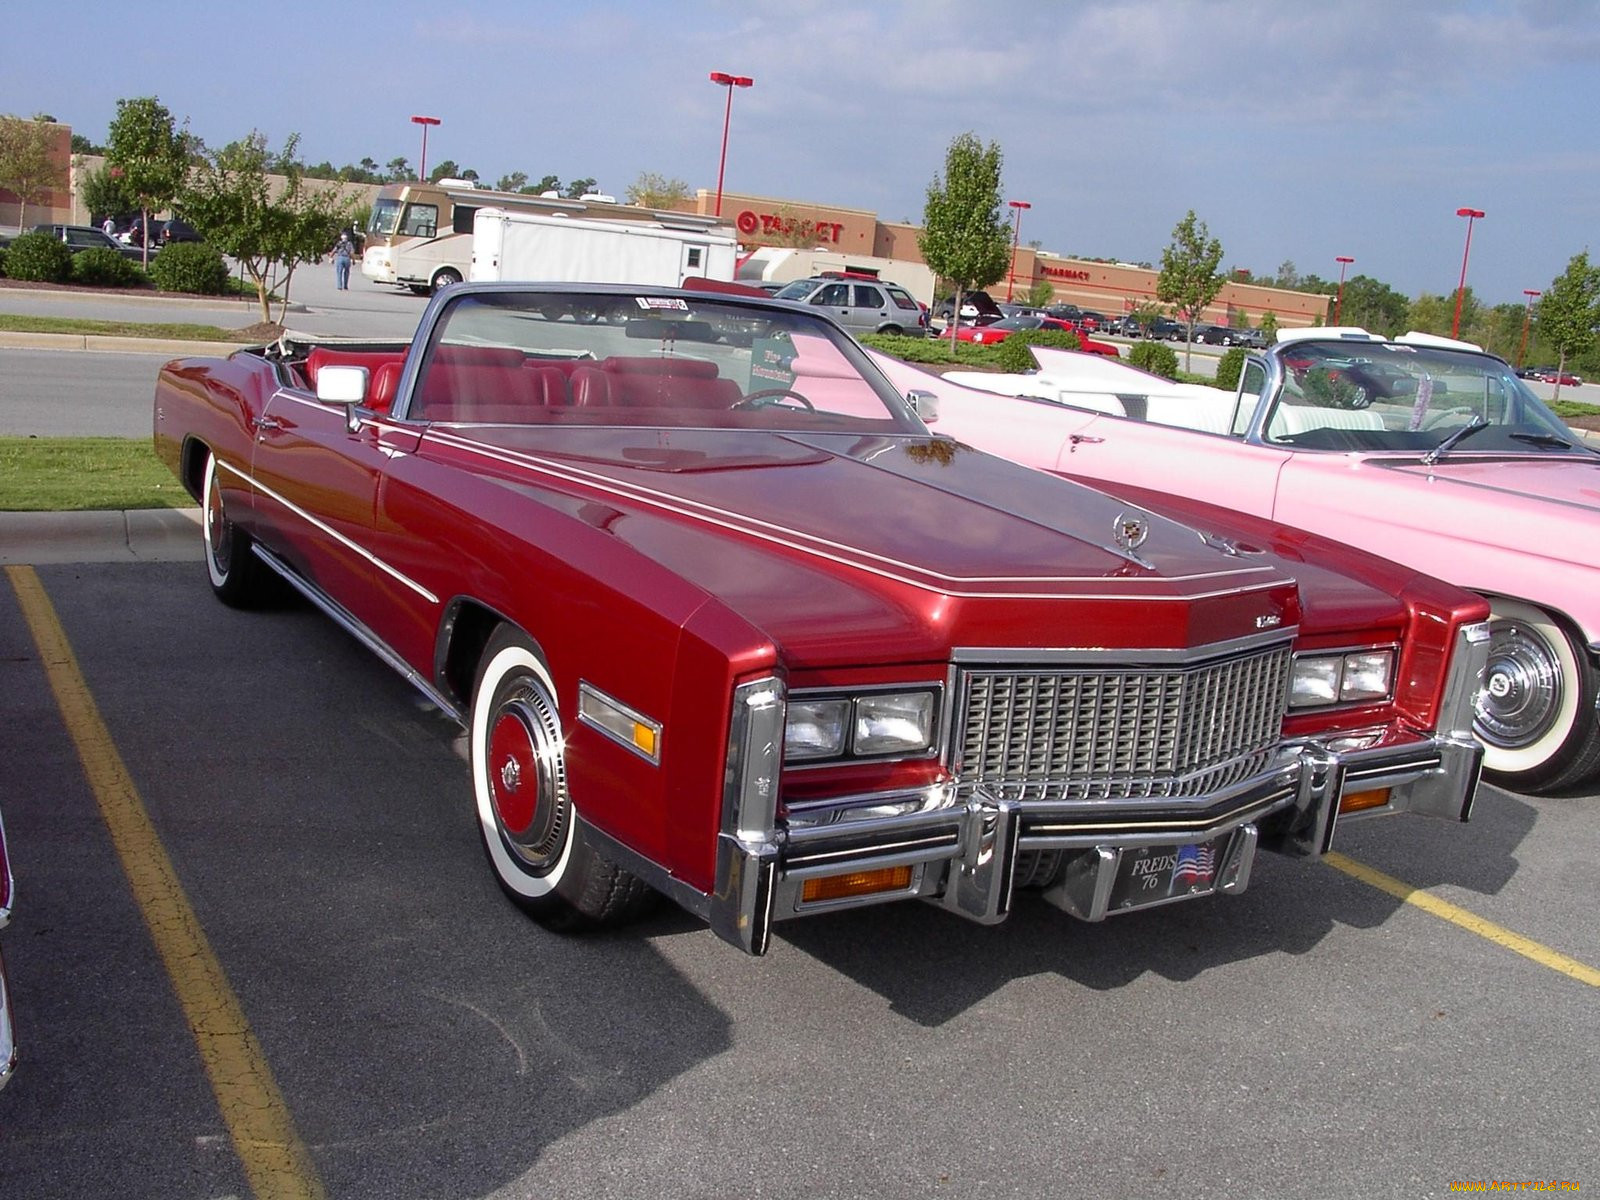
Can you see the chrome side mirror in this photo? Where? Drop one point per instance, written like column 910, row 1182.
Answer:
column 924, row 403
column 343, row 385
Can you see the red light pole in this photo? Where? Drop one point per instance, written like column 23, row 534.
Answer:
column 1527, row 317
column 422, row 171
column 1016, row 233
column 1338, row 305
column 1471, row 214
column 723, row 79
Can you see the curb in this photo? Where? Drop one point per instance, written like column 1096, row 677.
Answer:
column 136, row 535
column 171, row 347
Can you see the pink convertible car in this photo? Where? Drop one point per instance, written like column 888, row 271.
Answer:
column 1425, row 450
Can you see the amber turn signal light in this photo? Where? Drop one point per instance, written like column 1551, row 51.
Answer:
column 1357, row 801
column 857, row 883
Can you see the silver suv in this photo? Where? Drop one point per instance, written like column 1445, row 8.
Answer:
column 861, row 305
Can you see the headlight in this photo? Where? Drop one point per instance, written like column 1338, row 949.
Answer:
column 872, row 725
column 1321, row 680
column 816, row 729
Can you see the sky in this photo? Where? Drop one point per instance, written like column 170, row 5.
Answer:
column 1297, row 131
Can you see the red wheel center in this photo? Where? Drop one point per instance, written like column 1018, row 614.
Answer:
column 513, row 773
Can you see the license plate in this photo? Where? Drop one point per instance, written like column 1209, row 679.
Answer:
column 1157, row 874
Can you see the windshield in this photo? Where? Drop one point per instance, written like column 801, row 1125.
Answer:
column 1342, row 395
column 385, row 216
column 620, row 357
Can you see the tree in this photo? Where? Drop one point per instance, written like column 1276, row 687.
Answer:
column 1374, row 306
column 963, row 239
column 445, row 170
column 550, row 183
column 1189, row 279
column 106, row 194
column 236, row 208
column 512, row 182
column 399, row 169
column 152, row 154
column 1569, row 311
column 1041, row 293
column 656, row 191
column 579, row 187
column 27, row 169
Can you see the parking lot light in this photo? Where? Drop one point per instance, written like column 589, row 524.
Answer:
column 1016, row 233
column 1344, row 261
column 723, row 79
column 1527, row 318
column 1471, row 214
column 422, row 169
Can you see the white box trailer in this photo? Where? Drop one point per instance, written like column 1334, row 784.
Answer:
column 558, row 248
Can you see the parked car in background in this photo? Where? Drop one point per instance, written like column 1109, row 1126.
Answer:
column 1461, row 472
column 1126, row 326
column 173, row 229
column 725, row 620
column 977, row 308
column 1166, row 329
column 861, row 305
column 988, row 335
column 87, row 237
column 1564, row 378
column 1213, row 335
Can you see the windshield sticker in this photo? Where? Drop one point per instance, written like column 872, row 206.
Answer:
column 668, row 303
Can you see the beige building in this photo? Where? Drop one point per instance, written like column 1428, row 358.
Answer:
column 1109, row 288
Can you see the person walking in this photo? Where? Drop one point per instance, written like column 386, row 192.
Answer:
column 343, row 251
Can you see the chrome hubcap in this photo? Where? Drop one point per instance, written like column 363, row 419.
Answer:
column 526, row 778
column 1522, row 687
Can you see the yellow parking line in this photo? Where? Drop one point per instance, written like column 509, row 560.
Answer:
column 1471, row 922
column 275, row 1161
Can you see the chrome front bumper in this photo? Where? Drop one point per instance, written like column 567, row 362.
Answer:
column 967, row 849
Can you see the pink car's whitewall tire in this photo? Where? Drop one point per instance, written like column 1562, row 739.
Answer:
column 1536, row 714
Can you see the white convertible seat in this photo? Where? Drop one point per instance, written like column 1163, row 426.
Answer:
column 1207, row 414
column 1290, row 419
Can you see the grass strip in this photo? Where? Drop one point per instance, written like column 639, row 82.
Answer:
column 18, row 323
column 83, row 473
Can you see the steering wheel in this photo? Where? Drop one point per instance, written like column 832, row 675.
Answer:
column 770, row 397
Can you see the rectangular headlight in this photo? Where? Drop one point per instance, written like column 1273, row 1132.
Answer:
column 816, row 729
column 1321, row 680
column 900, row 723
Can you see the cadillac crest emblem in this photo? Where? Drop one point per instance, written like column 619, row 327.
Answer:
column 1130, row 530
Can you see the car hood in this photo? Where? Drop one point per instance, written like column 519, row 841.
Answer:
column 1568, row 481
column 896, row 543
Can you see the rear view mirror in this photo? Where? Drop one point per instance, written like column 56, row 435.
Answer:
column 342, row 385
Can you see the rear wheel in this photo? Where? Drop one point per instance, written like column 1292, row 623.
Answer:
column 238, row 577
column 1536, row 715
column 526, row 817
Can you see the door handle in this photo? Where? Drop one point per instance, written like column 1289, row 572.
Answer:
column 265, row 424
column 1076, row 438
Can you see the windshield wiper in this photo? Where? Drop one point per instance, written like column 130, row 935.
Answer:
column 1479, row 421
column 1542, row 439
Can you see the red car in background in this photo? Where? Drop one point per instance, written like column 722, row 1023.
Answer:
column 989, row 335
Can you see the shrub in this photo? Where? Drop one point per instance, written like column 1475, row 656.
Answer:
column 1229, row 367
column 1156, row 357
column 104, row 267
column 1013, row 352
column 39, row 257
column 2, row 261
column 189, row 267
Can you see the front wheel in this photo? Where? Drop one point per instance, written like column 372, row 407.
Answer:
column 1536, row 715
column 444, row 278
column 526, row 818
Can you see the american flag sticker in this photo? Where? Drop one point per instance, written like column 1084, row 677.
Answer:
column 1195, row 866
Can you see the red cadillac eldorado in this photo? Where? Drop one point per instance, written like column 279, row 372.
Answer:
column 725, row 621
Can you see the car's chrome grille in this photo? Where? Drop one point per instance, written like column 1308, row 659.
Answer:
column 1082, row 733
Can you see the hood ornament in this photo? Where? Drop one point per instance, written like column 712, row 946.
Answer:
column 1129, row 531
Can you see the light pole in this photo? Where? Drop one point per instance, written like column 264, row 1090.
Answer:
column 1016, row 233
column 1527, row 317
column 1338, row 305
column 1471, row 214
column 422, row 171
column 723, row 79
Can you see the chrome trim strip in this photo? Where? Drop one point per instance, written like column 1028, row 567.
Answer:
column 1095, row 655
column 257, row 485
column 862, row 560
column 352, row 625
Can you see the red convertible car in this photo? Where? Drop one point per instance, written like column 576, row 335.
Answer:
column 725, row 621
column 989, row 335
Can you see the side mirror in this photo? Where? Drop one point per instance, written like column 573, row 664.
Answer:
column 346, row 386
column 924, row 403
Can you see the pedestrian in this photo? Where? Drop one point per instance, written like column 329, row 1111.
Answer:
column 343, row 250
column 110, row 226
